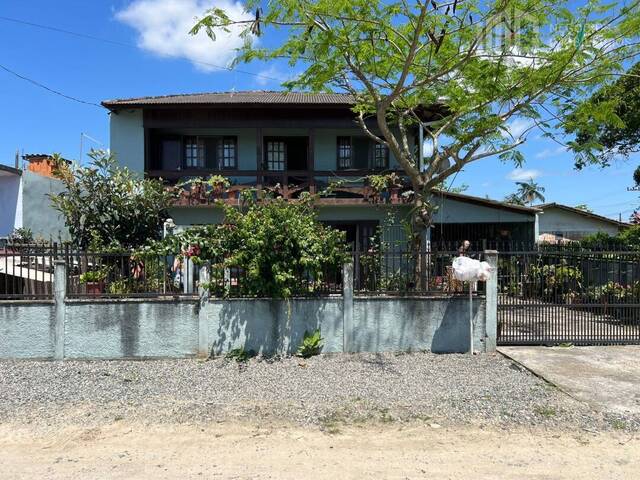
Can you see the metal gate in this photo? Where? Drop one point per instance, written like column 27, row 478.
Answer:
column 550, row 297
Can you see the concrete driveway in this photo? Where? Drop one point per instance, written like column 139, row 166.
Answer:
column 606, row 378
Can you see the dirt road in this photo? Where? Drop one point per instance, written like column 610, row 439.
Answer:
column 243, row 451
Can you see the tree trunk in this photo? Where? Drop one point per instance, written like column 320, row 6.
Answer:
column 421, row 220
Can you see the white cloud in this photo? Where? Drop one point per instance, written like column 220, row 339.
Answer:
column 518, row 127
column 522, row 175
column 163, row 29
column 551, row 152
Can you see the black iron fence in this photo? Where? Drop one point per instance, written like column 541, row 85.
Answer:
column 108, row 274
column 26, row 272
column 564, row 296
column 406, row 272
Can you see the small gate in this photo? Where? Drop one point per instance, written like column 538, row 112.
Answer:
column 550, row 297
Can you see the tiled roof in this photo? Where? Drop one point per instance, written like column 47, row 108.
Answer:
column 584, row 213
column 231, row 98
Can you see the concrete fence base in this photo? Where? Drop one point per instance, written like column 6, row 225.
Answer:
column 201, row 326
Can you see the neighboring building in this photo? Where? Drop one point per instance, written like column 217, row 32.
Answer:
column 559, row 222
column 24, row 196
column 299, row 141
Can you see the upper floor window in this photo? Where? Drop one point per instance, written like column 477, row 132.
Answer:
column 360, row 152
column 217, row 153
column 380, row 156
column 276, row 155
column 344, row 153
column 193, row 152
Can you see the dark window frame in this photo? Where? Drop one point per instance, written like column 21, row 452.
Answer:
column 267, row 151
column 372, row 151
column 340, row 147
column 222, row 162
column 374, row 159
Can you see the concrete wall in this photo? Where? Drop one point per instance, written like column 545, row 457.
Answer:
column 130, row 329
column 127, row 139
column 572, row 225
column 440, row 325
column 10, row 203
column 272, row 326
column 38, row 212
column 111, row 329
column 27, row 329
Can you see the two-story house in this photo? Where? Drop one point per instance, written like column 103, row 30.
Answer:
column 298, row 141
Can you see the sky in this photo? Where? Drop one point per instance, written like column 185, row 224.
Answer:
column 145, row 51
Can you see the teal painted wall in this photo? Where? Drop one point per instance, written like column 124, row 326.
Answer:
column 127, row 139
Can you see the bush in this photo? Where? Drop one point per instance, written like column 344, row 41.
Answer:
column 311, row 344
column 110, row 207
column 277, row 248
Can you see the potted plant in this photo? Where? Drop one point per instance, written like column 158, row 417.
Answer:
column 218, row 185
column 95, row 280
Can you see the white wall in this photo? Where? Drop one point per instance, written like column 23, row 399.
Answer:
column 127, row 139
column 573, row 225
column 455, row 211
column 10, row 203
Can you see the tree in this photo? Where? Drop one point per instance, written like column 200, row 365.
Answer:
column 530, row 192
column 607, row 124
column 476, row 76
column 105, row 206
column 636, row 176
column 514, row 199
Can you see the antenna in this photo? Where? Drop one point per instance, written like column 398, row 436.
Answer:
column 82, row 137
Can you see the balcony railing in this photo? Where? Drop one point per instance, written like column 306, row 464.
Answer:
column 340, row 187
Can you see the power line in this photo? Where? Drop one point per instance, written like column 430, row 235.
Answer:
column 51, row 90
column 128, row 45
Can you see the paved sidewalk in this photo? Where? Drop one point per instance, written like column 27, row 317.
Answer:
column 606, row 378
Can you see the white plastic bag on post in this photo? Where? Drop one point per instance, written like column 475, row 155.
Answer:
column 467, row 269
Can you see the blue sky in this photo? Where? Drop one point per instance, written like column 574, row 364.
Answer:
column 142, row 62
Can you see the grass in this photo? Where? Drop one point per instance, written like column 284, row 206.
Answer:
column 618, row 424
column 545, row 411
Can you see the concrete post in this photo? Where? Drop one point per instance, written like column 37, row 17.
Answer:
column 491, row 332
column 189, row 268
column 59, row 294
column 203, row 326
column 347, row 308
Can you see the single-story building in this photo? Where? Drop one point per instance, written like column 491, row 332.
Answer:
column 24, row 196
column 561, row 222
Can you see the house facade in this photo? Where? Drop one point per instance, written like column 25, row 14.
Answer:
column 24, row 196
column 562, row 222
column 294, row 143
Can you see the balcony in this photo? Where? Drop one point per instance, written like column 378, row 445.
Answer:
column 334, row 188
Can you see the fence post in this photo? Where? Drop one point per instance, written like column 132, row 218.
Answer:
column 59, row 294
column 491, row 323
column 347, row 307
column 203, row 327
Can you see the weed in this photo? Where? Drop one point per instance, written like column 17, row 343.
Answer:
column 545, row 411
column 311, row 344
column 618, row 424
column 240, row 355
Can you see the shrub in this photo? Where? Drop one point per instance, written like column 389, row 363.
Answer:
column 311, row 344
column 277, row 248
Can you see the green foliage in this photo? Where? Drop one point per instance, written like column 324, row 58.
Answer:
column 240, row 355
column 381, row 183
column 530, row 192
column 96, row 275
column 453, row 62
column 584, row 207
column 608, row 123
column 311, row 344
column 108, row 207
column 21, row 235
column 636, row 176
column 279, row 247
column 629, row 238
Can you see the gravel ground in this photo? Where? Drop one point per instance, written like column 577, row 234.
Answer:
column 326, row 391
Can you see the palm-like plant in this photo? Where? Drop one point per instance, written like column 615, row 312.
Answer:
column 530, row 192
